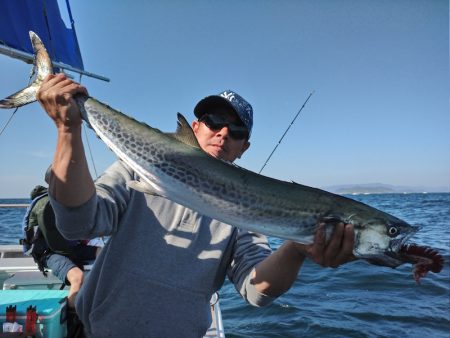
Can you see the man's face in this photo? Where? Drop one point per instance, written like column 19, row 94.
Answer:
column 218, row 142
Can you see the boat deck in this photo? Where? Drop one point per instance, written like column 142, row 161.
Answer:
column 12, row 259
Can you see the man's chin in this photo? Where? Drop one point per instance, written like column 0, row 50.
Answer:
column 221, row 156
column 218, row 153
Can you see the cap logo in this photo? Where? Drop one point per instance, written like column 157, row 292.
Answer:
column 228, row 96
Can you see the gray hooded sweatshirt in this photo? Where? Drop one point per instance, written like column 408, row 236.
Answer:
column 161, row 264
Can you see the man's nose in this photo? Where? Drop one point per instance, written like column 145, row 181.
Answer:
column 224, row 131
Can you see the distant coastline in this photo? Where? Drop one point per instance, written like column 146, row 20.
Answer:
column 380, row 188
column 343, row 189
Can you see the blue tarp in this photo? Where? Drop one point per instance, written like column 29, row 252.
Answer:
column 18, row 17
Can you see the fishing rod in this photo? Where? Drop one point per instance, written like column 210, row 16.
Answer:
column 281, row 139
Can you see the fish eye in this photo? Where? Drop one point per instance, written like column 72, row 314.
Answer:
column 392, row 231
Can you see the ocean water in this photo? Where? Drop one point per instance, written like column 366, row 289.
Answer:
column 355, row 300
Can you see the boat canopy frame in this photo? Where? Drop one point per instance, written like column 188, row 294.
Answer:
column 45, row 18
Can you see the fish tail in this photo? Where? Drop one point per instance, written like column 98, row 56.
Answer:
column 44, row 67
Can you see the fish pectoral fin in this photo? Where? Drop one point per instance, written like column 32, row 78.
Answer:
column 143, row 187
column 330, row 219
column 184, row 132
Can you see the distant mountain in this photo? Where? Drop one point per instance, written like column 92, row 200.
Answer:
column 380, row 188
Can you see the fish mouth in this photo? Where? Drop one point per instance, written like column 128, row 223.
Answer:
column 423, row 258
column 397, row 244
column 400, row 252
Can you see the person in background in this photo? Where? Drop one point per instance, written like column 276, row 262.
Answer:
column 50, row 249
column 163, row 261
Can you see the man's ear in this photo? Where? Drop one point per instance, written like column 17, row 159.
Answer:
column 195, row 125
column 245, row 146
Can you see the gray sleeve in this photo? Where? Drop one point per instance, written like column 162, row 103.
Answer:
column 100, row 215
column 250, row 249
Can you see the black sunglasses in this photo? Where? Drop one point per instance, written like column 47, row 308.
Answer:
column 217, row 122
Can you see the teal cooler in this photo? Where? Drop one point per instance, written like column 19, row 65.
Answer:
column 50, row 309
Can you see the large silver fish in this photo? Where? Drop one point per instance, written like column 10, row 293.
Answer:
column 174, row 166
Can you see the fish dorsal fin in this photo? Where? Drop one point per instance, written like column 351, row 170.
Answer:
column 184, row 132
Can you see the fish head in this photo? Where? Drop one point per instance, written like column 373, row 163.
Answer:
column 379, row 240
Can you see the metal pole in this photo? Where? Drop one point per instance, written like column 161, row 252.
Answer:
column 29, row 58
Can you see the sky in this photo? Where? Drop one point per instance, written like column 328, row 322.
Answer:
column 379, row 70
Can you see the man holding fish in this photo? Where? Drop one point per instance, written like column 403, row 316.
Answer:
column 164, row 261
column 182, row 217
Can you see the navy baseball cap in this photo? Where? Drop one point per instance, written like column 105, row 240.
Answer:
column 230, row 98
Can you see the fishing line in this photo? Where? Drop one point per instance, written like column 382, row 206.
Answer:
column 90, row 151
column 281, row 139
column 87, row 139
column 7, row 122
